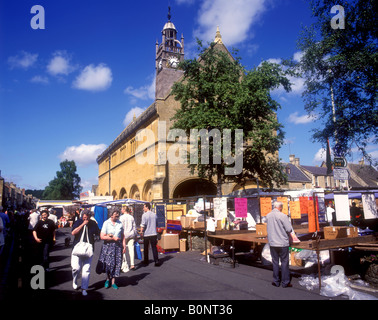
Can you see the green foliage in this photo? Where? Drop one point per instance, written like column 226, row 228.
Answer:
column 219, row 93
column 344, row 60
column 66, row 184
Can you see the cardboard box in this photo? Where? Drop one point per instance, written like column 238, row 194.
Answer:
column 352, row 232
column 169, row 241
column 197, row 224
column 182, row 245
column 339, row 232
column 261, row 230
column 186, row 221
column 294, row 261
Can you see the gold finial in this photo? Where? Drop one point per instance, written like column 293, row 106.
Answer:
column 218, row 37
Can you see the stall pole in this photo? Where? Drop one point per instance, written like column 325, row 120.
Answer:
column 318, row 256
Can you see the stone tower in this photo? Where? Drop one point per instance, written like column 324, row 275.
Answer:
column 168, row 54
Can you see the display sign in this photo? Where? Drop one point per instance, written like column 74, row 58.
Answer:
column 220, row 208
column 295, row 210
column 241, row 205
column 265, row 205
column 303, row 203
column 160, row 213
column 285, row 208
column 313, row 224
column 339, row 162
column 341, row 174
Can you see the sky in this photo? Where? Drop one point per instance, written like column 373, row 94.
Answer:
column 69, row 87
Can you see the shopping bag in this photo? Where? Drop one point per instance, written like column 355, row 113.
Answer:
column 125, row 265
column 138, row 252
column 83, row 249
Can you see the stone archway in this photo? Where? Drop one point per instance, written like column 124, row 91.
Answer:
column 147, row 191
column 194, row 187
column 114, row 194
column 123, row 194
column 134, row 192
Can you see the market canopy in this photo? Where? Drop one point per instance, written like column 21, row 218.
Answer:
column 353, row 195
column 114, row 202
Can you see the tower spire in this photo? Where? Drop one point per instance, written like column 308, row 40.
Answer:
column 169, row 13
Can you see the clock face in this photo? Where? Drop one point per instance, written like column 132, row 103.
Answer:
column 173, row 62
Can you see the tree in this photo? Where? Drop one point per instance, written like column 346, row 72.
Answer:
column 339, row 65
column 218, row 93
column 66, row 184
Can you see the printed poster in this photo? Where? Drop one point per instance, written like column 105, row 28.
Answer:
column 342, row 207
column 265, row 205
column 220, row 208
column 313, row 224
column 303, row 204
column 369, row 206
column 295, row 210
column 241, row 205
column 285, row 208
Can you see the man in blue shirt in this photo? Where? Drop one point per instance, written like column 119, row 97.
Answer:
column 148, row 230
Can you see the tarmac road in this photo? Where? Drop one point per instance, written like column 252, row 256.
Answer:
column 182, row 277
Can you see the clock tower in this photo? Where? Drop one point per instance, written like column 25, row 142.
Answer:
column 168, row 55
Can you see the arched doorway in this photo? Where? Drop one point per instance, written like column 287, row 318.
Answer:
column 194, row 187
column 114, row 194
column 147, row 191
column 134, row 192
column 123, row 194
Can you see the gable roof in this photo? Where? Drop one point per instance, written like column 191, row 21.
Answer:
column 362, row 176
column 294, row 174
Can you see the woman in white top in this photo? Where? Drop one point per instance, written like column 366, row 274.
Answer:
column 130, row 233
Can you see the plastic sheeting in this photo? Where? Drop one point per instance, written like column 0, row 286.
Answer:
column 336, row 284
column 100, row 214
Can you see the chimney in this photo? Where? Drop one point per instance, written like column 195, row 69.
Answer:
column 361, row 162
column 292, row 158
column 297, row 162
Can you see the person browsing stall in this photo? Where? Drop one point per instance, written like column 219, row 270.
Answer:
column 279, row 229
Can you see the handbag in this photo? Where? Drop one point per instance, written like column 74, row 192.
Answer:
column 125, row 265
column 137, row 250
column 83, row 249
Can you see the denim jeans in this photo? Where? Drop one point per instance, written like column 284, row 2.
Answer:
column 280, row 254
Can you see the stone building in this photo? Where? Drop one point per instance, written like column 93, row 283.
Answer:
column 135, row 165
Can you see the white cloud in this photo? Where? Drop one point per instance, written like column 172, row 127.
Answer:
column 83, row 155
column 296, row 119
column 94, row 78
column 60, row 64
column 298, row 56
column 24, row 60
column 40, row 79
column 130, row 115
column 320, row 156
column 144, row 93
column 234, row 19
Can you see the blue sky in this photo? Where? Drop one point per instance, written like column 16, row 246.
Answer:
column 67, row 91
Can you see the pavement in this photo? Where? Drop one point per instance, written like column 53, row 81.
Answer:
column 183, row 277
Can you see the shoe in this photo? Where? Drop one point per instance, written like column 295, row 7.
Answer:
column 74, row 285
column 288, row 286
column 114, row 286
column 133, row 268
column 157, row 264
column 107, row 284
column 275, row 284
column 84, row 293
